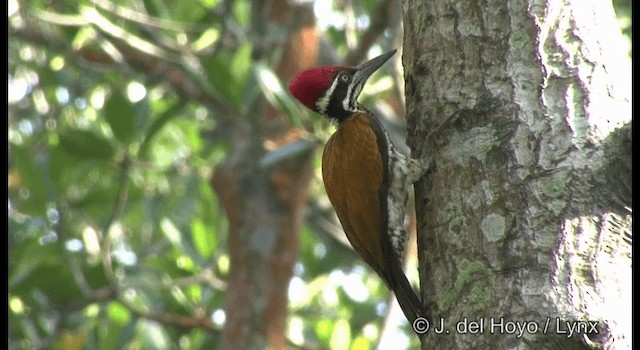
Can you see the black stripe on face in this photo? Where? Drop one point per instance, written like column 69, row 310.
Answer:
column 342, row 100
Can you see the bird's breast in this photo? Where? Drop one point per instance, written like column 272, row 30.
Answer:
column 353, row 171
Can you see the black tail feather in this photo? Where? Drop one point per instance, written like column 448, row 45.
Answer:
column 409, row 302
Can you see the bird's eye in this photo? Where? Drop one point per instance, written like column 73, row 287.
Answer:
column 344, row 77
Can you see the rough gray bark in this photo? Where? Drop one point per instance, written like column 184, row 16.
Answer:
column 524, row 221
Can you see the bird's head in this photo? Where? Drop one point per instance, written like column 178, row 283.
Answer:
column 333, row 90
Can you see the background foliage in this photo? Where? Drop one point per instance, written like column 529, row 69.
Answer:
column 116, row 237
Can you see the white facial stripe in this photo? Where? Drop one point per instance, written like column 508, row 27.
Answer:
column 323, row 102
column 346, row 103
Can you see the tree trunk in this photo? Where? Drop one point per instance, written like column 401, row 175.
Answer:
column 524, row 220
column 264, row 204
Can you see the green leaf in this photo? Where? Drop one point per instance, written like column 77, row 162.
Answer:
column 197, row 338
column 120, row 114
column 171, row 232
column 110, row 335
column 47, row 274
column 242, row 12
column 24, row 259
column 193, row 136
column 32, row 178
column 209, row 4
column 86, row 144
column 84, row 36
column 323, row 329
column 157, row 125
column 152, row 335
column 61, row 167
column 217, row 67
column 277, row 95
column 241, row 65
column 229, row 73
column 203, row 239
column 118, row 313
column 208, row 38
column 194, row 293
column 187, row 11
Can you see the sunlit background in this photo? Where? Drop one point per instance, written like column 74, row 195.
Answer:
column 98, row 149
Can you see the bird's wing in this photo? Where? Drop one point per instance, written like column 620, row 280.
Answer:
column 352, row 171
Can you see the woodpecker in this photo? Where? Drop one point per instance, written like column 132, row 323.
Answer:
column 365, row 177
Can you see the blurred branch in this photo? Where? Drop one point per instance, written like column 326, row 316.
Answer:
column 58, row 18
column 75, row 268
column 151, row 25
column 171, row 319
column 207, row 275
column 116, row 211
column 231, row 33
column 91, row 294
column 182, row 72
column 128, row 38
column 146, row 20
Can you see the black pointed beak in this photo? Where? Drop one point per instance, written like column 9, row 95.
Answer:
column 365, row 70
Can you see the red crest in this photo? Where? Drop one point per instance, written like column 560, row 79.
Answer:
column 309, row 85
